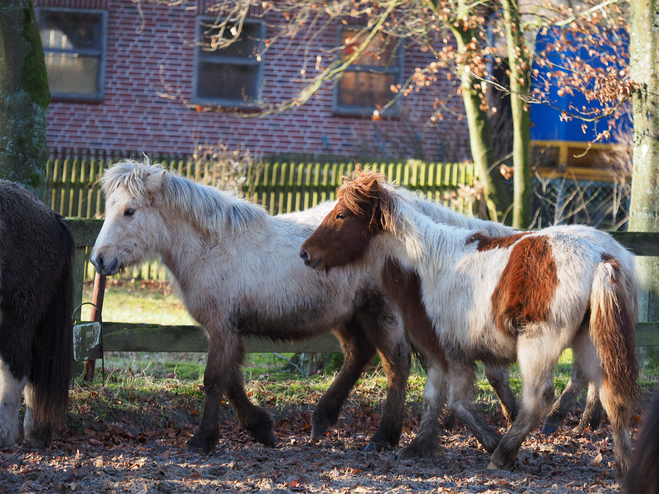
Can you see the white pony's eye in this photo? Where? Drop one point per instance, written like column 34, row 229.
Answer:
column 129, row 212
column 340, row 216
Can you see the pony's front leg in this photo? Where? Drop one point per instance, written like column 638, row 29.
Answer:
column 426, row 442
column 223, row 358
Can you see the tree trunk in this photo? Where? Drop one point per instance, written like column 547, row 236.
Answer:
column 480, row 138
column 520, row 85
column 643, row 215
column 24, row 98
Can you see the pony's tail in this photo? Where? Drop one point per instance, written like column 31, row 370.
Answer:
column 52, row 349
column 613, row 312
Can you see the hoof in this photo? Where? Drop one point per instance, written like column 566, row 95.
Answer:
column 264, row 435
column 269, row 441
column 375, row 447
column 492, row 466
column 202, row 443
column 317, row 431
column 549, row 429
column 418, row 451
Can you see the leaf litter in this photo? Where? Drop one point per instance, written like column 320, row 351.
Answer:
column 125, row 456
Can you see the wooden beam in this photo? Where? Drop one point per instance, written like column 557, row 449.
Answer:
column 135, row 337
column 639, row 243
column 84, row 230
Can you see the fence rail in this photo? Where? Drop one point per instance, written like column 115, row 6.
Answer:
column 120, row 336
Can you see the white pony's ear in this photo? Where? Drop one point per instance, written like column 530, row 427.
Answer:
column 153, row 182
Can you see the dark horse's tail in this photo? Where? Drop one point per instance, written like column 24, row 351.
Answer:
column 52, row 348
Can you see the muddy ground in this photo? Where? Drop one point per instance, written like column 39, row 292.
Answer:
column 120, row 457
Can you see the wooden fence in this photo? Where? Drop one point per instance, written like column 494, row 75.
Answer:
column 73, row 189
column 146, row 337
column 73, row 175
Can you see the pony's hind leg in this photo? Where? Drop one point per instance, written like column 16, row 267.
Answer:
column 426, row 442
column 396, row 360
column 461, row 377
column 592, row 415
column 358, row 353
column 11, row 388
column 536, row 358
column 38, row 433
column 255, row 419
column 618, row 409
column 497, row 375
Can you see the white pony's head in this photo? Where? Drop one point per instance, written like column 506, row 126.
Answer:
column 132, row 224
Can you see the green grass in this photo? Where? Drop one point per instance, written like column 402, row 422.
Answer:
column 135, row 380
column 153, row 302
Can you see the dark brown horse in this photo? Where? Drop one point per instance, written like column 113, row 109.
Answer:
column 643, row 477
column 36, row 341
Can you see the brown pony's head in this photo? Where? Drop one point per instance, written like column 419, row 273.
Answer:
column 364, row 209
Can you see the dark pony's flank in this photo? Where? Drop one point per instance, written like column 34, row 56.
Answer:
column 643, row 477
column 36, row 290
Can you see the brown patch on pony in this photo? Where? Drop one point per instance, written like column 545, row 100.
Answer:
column 526, row 287
column 404, row 288
column 487, row 243
column 612, row 328
column 363, row 194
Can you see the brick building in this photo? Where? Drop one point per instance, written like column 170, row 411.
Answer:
column 109, row 66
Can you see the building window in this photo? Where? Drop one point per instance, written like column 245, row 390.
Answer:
column 74, row 48
column 229, row 76
column 366, row 84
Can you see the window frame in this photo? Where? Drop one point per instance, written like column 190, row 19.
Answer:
column 201, row 56
column 367, row 111
column 100, row 53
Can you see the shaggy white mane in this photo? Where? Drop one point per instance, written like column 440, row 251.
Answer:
column 442, row 214
column 206, row 207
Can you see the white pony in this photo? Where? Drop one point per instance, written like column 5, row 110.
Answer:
column 220, row 250
column 521, row 298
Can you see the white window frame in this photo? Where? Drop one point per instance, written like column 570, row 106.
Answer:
column 101, row 53
column 214, row 57
column 366, row 110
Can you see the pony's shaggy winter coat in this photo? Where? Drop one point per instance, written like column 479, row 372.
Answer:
column 524, row 297
column 239, row 274
column 36, row 327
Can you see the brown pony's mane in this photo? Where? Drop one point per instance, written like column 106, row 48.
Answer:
column 363, row 194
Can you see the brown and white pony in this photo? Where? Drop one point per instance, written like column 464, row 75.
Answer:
column 521, row 298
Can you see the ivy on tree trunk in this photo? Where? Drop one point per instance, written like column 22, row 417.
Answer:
column 24, row 97
column 520, row 86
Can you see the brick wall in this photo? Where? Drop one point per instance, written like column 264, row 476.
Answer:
column 145, row 53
